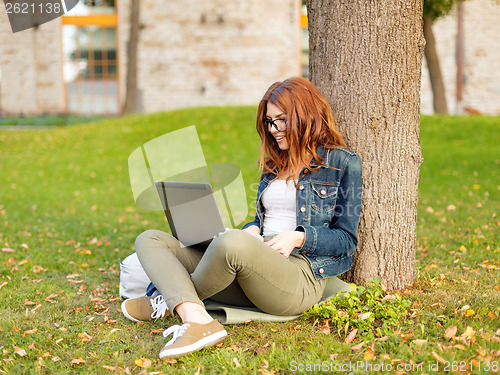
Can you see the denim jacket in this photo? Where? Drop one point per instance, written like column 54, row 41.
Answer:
column 328, row 208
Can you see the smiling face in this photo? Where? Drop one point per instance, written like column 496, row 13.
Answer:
column 274, row 113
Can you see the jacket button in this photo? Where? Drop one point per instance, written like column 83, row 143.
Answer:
column 303, row 252
column 302, row 209
column 301, row 187
column 321, row 270
column 323, row 192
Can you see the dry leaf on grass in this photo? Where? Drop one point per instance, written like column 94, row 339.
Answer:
column 325, row 328
column 19, row 351
column 450, row 332
column 350, row 337
column 170, row 360
column 369, row 354
column 438, row 357
column 357, row 347
column 77, row 361
column 85, row 336
column 419, row 342
column 364, row 316
column 143, row 362
column 236, row 362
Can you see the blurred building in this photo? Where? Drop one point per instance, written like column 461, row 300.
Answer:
column 481, row 59
column 190, row 53
column 212, row 52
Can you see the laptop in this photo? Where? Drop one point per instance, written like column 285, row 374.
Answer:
column 191, row 210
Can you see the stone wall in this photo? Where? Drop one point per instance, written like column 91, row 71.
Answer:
column 213, row 52
column 481, row 90
column 219, row 52
column 31, row 71
column 191, row 53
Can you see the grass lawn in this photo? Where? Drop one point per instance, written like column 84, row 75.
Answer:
column 67, row 219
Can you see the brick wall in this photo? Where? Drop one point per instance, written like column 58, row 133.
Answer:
column 214, row 52
column 481, row 90
column 30, row 64
column 218, row 52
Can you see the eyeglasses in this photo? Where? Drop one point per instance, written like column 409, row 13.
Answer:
column 278, row 123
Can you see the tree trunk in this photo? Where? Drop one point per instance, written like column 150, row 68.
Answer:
column 130, row 105
column 431, row 56
column 366, row 58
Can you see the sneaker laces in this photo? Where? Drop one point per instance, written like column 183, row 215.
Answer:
column 176, row 331
column 159, row 307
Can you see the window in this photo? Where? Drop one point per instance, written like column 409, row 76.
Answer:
column 90, row 65
column 304, row 35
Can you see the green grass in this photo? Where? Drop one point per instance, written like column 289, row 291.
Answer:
column 47, row 120
column 67, row 218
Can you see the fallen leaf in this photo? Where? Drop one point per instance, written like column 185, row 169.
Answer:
column 49, row 298
column 469, row 334
column 355, row 348
column 450, row 332
column 419, row 342
column 470, row 312
column 30, row 332
column 481, row 352
column 325, row 328
column 143, row 362
column 114, row 330
column 438, row 357
column 56, row 359
column 85, row 336
column 369, row 354
column 3, row 284
column 491, row 314
column 110, row 368
column 234, row 348
column 350, row 337
column 8, row 250
column 19, row 351
column 170, row 360
column 263, row 371
column 364, row 316
column 77, row 361
column 236, row 362
column 343, row 314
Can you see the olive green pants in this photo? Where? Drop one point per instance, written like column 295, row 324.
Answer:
column 236, row 268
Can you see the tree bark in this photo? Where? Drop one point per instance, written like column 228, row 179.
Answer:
column 366, row 58
column 431, row 56
column 130, row 105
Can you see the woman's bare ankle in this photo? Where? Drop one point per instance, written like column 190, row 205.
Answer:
column 193, row 312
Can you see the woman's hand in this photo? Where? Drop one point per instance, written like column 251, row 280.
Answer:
column 285, row 242
column 254, row 231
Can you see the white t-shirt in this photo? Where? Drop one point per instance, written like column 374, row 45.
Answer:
column 280, row 202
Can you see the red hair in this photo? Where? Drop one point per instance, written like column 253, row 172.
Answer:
column 310, row 124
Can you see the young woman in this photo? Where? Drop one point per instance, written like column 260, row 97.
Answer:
column 305, row 229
